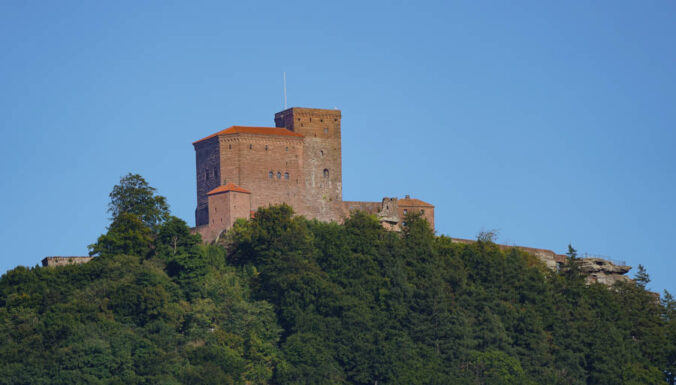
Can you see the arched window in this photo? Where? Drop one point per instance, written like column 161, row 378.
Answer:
column 251, row 147
column 321, row 153
column 326, row 173
column 405, row 211
column 270, row 175
column 422, row 211
column 266, row 147
column 286, row 175
column 279, row 175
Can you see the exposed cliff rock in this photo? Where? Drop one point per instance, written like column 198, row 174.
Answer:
column 597, row 270
column 603, row 271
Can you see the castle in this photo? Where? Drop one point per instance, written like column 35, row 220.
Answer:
column 297, row 162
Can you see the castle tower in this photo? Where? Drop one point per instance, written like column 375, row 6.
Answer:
column 321, row 156
column 226, row 204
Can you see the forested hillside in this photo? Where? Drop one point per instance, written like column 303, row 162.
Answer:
column 285, row 300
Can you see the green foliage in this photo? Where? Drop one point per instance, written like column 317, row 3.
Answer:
column 126, row 235
column 133, row 195
column 292, row 301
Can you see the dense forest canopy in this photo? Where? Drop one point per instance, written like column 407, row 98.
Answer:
column 286, row 300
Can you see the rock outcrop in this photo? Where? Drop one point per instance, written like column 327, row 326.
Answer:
column 603, row 271
column 596, row 270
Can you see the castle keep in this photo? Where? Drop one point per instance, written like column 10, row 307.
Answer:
column 297, row 162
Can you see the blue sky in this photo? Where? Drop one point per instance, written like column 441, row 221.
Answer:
column 553, row 122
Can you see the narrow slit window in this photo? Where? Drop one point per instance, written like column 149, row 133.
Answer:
column 326, row 173
column 251, row 147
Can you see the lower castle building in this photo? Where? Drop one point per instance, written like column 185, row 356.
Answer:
column 297, row 162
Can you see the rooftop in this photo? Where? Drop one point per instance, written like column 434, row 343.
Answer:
column 252, row 130
column 228, row 187
column 413, row 202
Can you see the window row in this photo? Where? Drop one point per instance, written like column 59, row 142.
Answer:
column 271, row 175
column 251, row 147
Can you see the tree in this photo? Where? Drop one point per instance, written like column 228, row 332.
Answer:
column 174, row 237
column 134, row 195
column 642, row 278
column 126, row 235
column 488, row 235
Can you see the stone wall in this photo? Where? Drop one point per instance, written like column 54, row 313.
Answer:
column 207, row 175
column 64, row 261
column 323, row 173
column 271, row 167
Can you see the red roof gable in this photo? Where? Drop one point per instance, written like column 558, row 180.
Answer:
column 252, row 130
column 413, row 202
column 226, row 188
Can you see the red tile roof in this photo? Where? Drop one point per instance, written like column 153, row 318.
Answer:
column 226, row 188
column 413, row 202
column 252, row 130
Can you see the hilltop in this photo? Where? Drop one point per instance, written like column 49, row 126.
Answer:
column 286, row 300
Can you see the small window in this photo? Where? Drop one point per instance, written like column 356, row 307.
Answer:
column 224, row 182
column 270, row 175
column 321, row 153
column 229, row 146
column 405, row 211
column 251, row 147
column 326, row 173
column 266, row 147
column 286, row 149
column 422, row 211
column 321, row 120
column 326, row 130
column 279, row 175
column 286, row 175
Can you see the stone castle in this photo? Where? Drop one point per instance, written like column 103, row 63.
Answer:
column 297, row 162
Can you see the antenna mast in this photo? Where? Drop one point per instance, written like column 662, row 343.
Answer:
column 285, row 90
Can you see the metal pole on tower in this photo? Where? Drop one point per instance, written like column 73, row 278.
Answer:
column 285, row 90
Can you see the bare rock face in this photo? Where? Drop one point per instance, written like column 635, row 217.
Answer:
column 603, row 271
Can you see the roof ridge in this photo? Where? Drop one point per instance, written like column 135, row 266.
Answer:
column 258, row 130
column 228, row 187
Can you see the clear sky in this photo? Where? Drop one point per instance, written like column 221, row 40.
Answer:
column 554, row 122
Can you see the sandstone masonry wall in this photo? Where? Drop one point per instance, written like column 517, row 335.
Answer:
column 207, row 164
column 322, row 159
column 271, row 167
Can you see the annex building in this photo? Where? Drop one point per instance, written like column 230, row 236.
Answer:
column 297, row 162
